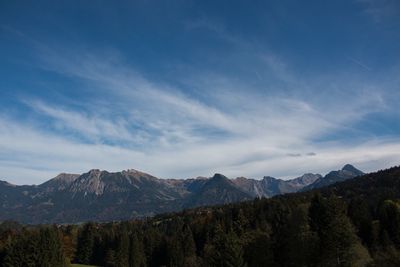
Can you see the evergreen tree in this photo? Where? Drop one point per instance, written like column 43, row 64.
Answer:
column 122, row 250
column 389, row 216
column 225, row 250
column 258, row 249
column 137, row 257
column 85, row 244
column 338, row 243
column 69, row 238
column 361, row 218
column 175, row 251
column 297, row 244
column 50, row 248
column 35, row 248
column 22, row 251
column 189, row 248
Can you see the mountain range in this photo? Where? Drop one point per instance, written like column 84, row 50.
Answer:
column 108, row 196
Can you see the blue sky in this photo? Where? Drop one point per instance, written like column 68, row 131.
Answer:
column 189, row 88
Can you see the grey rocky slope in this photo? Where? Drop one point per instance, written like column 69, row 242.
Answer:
column 347, row 172
column 105, row 196
column 270, row 186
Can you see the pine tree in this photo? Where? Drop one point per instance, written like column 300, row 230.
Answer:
column 137, row 257
column 175, row 252
column 258, row 249
column 50, row 248
column 85, row 244
column 69, row 238
column 338, row 243
column 297, row 243
column 189, row 248
column 122, row 250
column 389, row 216
column 35, row 248
column 225, row 250
column 23, row 250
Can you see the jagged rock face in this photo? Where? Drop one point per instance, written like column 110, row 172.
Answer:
column 270, row 186
column 251, row 186
column 305, row 180
column 60, row 182
column 105, row 196
column 91, row 182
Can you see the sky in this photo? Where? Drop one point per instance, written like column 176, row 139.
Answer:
column 183, row 89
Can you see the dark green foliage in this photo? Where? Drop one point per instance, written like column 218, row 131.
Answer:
column 225, row 250
column 258, row 249
column 337, row 239
column 137, row 256
column 86, row 244
column 122, row 250
column 361, row 216
column 22, row 251
column 41, row 247
column 389, row 217
column 181, row 248
column 297, row 244
column 50, row 248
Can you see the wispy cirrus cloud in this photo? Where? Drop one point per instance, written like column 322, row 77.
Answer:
column 381, row 10
column 169, row 133
column 93, row 127
column 28, row 150
column 280, row 125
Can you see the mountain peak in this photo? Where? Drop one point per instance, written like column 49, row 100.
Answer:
column 60, row 182
column 305, row 180
column 347, row 172
column 136, row 173
column 219, row 176
column 7, row 183
column 94, row 174
column 132, row 171
column 351, row 168
column 94, row 171
column 218, row 189
column 66, row 176
column 270, row 179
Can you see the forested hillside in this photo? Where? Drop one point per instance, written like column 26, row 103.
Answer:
column 352, row 223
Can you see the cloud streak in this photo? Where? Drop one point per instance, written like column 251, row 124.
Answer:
column 169, row 133
column 234, row 125
column 380, row 10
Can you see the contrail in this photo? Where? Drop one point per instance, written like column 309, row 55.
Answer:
column 359, row 64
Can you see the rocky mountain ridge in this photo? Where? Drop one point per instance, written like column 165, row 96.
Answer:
column 106, row 196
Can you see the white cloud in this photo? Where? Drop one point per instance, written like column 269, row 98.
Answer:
column 161, row 130
column 92, row 126
column 25, row 149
